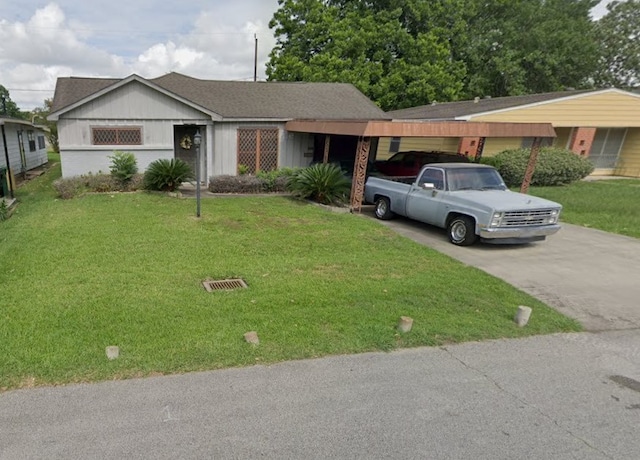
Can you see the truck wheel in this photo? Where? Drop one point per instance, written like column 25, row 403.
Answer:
column 462, row 231
column 383, row 208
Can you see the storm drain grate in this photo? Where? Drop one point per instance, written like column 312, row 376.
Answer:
column 224, row 285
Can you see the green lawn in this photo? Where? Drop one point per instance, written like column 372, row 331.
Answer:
column 126, row 270
column 612, row 205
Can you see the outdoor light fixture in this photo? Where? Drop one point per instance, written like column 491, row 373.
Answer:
column 197, row 140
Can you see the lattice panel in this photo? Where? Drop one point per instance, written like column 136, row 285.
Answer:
column 117, row 136
column 268, row 154
column 258, row 149
column 247, row 149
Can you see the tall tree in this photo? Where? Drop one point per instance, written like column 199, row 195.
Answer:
column 371, row 47
column 403, row 53
column 529, row 46
column 619, row 34
column 8, row 108
column 39, row 116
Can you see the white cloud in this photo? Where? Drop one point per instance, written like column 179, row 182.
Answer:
column 211, row 39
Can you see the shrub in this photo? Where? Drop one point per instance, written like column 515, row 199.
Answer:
column 554, row 167
column 276, row 180
column 4, row 210
column 323, row 183
column 166, row 175
column 236, row 184
column 99, row 183
column 70, row 188
column 123, row 165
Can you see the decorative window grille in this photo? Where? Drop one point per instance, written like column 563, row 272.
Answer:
column 258, row 149
column 116, row 136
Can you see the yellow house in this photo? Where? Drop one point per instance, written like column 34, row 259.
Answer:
column 603, row 125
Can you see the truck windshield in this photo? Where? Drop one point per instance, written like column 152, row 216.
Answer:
column 474, row 179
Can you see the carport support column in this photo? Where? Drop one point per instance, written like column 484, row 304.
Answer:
column 531, row 166
column 327, row 144
column 360, row 173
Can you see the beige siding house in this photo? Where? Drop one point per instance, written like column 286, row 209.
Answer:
column 241, row 123
column 603, row 125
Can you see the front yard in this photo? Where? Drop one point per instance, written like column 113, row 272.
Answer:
column 612, row 205
column 126, row 269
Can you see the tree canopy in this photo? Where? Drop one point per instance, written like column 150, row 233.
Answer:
column 7, row 106
column 619, row 35
column 39, row 116
column 403, row 53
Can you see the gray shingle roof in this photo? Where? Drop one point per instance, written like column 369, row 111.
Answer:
column 239, row 99
column 452, row 110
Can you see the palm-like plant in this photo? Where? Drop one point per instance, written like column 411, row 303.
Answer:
column 166, row 175
column 324, row 183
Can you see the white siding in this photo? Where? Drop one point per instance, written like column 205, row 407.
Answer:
column 33, row 159
column 135, row 101
column 80, row 162
column 224, row 159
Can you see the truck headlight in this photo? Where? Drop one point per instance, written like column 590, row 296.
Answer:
column 553, row 217
column 496, row 219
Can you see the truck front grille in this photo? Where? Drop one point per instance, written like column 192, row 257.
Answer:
column 526, row 218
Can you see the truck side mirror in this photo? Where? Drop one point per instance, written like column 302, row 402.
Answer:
column 428, row 186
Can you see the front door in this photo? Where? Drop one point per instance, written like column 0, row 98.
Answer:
column 184, row 147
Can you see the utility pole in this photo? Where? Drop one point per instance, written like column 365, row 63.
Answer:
column 255, row 58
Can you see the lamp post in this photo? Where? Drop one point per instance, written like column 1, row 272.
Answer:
column 197, row 140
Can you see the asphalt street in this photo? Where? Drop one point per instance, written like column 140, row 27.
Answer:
column 564, row 396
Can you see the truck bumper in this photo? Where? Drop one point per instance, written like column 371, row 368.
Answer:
column 519, row 233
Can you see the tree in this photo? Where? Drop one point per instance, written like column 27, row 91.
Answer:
column 529, row 46
column 619, row 34
column 8, row 108
column 39, row 116
column 351, row 41
column 404, row 53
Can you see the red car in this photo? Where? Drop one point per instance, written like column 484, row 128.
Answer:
column 410, row 163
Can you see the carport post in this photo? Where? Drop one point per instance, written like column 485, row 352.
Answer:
column 327, row 144
column 360, row 173
column 531, row 166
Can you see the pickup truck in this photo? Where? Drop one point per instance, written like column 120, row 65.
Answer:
column 470, row 200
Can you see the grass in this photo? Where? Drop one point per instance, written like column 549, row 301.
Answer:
column 612, row 205
column 126, row 270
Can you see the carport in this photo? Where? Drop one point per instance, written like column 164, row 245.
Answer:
column 369, row 131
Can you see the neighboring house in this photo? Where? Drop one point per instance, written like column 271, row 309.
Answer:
column 603, row 125
column 241, row 123
column 22, row 148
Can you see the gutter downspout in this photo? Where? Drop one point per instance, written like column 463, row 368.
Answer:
column 6, row 156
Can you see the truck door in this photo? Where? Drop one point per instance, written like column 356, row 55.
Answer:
column 425, row 204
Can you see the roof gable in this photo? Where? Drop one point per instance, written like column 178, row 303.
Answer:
column 464, row 110
column 234, row 99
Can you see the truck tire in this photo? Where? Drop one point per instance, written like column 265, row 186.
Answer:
column 462, row 231
column 383, row 208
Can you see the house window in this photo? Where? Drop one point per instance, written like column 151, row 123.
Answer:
column 116, row 136
column 258, row 149
column 394, row 145
column 606, row 147
column 41, row 143
column 527, row 142
column 32, row 141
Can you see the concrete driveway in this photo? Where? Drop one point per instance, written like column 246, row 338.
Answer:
column 587, row 274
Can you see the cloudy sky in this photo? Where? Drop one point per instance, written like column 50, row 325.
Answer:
column 212, row 39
